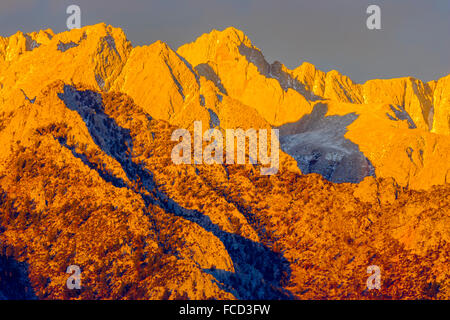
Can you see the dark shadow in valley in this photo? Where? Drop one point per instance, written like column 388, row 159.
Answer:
column 259, row 273
column 14, row 280
column 104, row 174
column 317, row 142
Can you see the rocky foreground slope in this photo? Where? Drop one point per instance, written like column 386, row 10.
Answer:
column 86, row 176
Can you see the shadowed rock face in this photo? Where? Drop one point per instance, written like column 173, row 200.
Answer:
column 318, row 145
column 384, row 109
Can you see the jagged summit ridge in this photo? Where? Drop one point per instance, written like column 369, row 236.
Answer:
column 92, row 55
column 223, row 78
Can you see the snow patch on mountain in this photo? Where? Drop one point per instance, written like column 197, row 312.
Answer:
column 66, row 46
column 318, row 144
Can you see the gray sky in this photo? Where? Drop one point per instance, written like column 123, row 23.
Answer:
column 332, row 34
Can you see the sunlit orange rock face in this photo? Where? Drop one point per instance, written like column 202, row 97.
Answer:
column 86, row 176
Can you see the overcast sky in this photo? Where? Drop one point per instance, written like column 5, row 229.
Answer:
column 332, row 34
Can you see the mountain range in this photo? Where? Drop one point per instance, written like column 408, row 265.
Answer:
column 86, row 176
